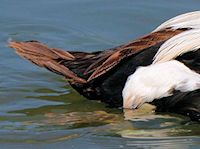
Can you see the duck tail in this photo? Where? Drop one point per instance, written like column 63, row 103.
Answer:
column 50, row 58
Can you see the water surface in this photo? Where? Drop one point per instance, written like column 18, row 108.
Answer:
column 40, row 110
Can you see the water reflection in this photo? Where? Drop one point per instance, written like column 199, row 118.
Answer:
column 68, row 116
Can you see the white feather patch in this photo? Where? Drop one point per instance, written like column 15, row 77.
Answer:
column 157, row 81
column 187, row 20
column 182, row 43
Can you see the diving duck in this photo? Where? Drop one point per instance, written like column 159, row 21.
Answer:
column 161, row 67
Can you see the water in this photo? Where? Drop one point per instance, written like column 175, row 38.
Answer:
column 39, row 110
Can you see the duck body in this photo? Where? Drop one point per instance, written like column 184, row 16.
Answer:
column 102, row 75
column 108, row 87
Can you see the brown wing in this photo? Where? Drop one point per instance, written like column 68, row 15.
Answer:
column 126, row 50
column 82, row 67
column 50, row 58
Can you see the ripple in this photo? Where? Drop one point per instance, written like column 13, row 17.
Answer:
column 39, row 110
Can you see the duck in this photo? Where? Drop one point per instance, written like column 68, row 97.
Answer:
column 161, row 68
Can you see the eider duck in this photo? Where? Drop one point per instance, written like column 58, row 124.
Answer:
column 161, row 67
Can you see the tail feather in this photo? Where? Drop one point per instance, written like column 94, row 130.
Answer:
column 38, row 49
column 50, row 58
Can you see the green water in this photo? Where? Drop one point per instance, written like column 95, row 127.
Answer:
column 40, row 110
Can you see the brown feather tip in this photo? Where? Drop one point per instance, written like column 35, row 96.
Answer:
column 37, row 48
column 49, row 58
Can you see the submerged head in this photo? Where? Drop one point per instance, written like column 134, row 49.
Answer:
column 131, row 98
column 157, row 81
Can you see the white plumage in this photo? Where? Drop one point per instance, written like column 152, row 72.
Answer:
column 178, row 45
column 187, row 20
column 184, row 42
column 165, row 74
column 157, row 81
